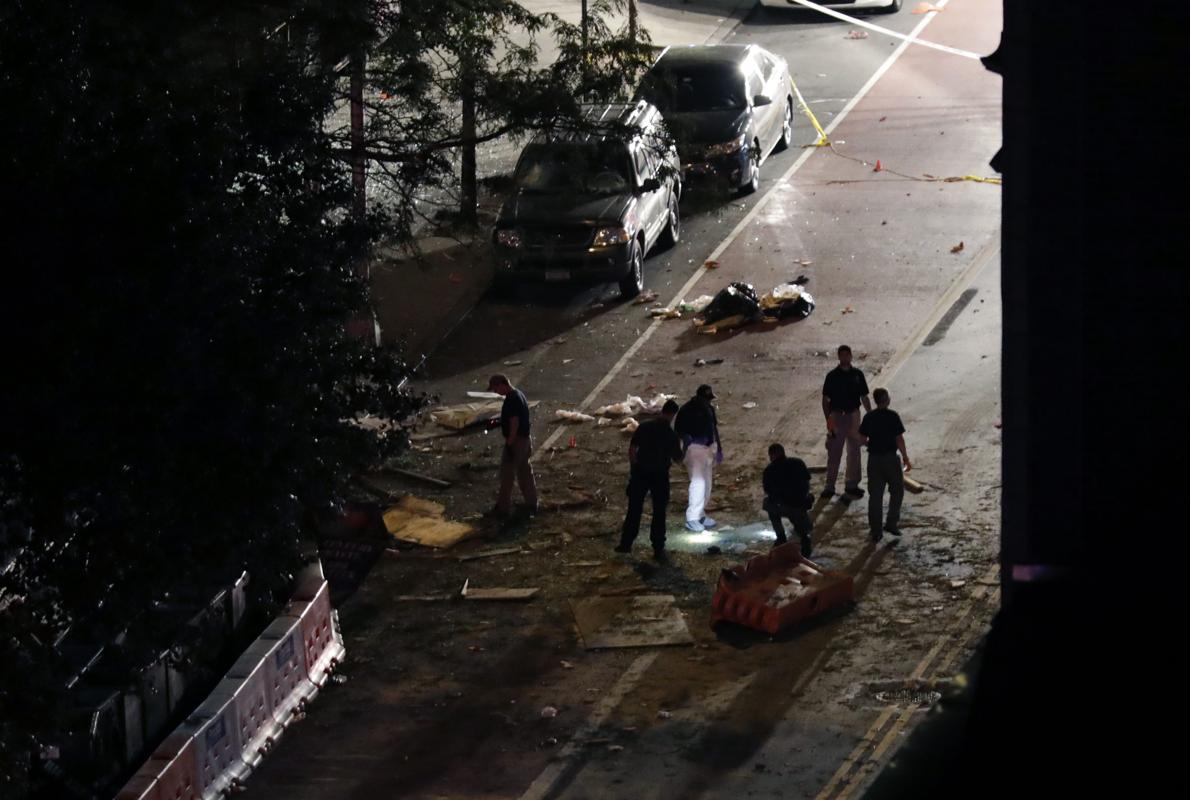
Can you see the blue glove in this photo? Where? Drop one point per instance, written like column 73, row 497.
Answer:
column 719, row 456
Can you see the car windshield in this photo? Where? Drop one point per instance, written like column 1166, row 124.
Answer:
column 695, row 87
column 560, row 167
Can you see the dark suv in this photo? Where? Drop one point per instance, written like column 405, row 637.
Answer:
column 589, row 206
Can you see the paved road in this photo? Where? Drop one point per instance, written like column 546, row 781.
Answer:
column 443, row 701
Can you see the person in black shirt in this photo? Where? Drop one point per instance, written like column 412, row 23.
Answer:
column 883, row 433
column 842, row 393
column 699, row 428
column 787, row 494
column 653, row 448
column 518, row 446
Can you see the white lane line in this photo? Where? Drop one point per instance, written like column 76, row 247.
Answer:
column 737, row 230
column 911, row 37
column 544, row 783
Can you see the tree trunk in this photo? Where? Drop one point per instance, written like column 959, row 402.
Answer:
column 632, row 21
column 358, row 176
column 469, row 188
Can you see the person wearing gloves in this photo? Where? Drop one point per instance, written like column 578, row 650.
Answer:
column 698, row 428
column 653, row 448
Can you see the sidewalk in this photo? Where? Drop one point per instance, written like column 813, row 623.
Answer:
column 418, row 302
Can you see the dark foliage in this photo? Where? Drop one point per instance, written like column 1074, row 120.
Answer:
column 180, row 390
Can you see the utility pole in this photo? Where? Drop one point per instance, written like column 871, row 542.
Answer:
column 632, row 22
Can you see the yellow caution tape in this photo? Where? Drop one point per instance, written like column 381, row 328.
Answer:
column 804, row 106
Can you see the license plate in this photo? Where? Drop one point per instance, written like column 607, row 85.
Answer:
column 557, row 274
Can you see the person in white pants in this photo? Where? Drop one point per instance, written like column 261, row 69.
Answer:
column 698, row 427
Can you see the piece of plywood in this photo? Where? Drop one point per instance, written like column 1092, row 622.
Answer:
column 500, row 594
column 640, row 621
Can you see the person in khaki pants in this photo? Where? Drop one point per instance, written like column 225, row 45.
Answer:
column 842, row 393
column 518, row 447
column 884, row 435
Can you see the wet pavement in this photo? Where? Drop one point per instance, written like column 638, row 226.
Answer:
column 444, row 699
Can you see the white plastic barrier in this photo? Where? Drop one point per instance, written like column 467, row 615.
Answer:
column 226, row 737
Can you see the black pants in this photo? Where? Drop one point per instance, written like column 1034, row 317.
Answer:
column 798, row 516
column 639, row 485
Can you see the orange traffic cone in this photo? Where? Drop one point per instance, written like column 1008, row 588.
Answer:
column 878, row 168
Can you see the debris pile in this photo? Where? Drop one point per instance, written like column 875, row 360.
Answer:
column 738, row 304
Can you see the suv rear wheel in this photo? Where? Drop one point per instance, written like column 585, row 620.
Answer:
column 634, row 281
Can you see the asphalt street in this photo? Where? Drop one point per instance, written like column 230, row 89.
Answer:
column 443, row 701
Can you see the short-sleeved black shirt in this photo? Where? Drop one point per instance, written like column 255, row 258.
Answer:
column 882, row 427
column 787, row 480
column 657, row 446
column 844, row 388
column 696, row 418
column 515, row 405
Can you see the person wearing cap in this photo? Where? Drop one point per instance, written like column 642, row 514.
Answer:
column 518, row 446
column 842, row 393
column 698, row 427
column 654, row 447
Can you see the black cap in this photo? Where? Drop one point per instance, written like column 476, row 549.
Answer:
column 705, row 392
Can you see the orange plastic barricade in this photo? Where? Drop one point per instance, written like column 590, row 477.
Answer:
column 772, row 592
column 175, row 764
column 253, row 716
column 321, row 638
column 215, row 731
column 288, row 685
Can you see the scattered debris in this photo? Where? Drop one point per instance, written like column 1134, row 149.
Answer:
column 549, row 712
column 417, row 476
column 925, row 8
column 465, row 415
column 665, row 313
column 573, row 416
column 567, row 665
column 558, row 340
column 615, row 748
column 497, row 593
column 957, row 584
column 641, row 621
column 513, row 363
column 749, row 405
column 550, row 742
column 485, row 395
column 629, row 426
column 499, row 551
column 702, row 362
column 913, row 485
column 567, row 360
column 856, row 34
column 420, row 521
column 645, row 297
column 958, row 248
column 634, row 405
column 663, row 714
column 709, row 264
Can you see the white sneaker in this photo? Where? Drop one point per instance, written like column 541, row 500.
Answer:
column 696, row 527
column 707, row 522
